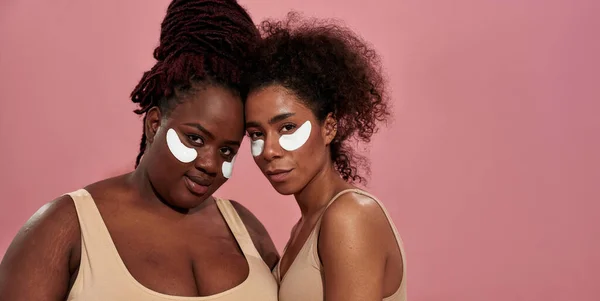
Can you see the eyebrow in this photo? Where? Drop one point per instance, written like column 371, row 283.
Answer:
column 209, row 134
column 275, row 119
column 201, row 129
column 231, row 142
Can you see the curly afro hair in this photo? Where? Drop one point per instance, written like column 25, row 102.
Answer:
column 201, row 42
column 330, row 69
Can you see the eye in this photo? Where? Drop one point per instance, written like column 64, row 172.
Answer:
column 197, row 140
column 255, row 135
column 287, row 127
column 226, row 151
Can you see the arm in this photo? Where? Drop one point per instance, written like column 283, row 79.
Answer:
column 351, row 249
column 261, row 238
column 39, row 262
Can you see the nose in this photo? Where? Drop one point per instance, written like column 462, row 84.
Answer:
column 207, row 161
column 272, row 150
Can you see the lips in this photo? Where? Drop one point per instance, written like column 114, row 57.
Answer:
column 278, row 175
column 197, row 185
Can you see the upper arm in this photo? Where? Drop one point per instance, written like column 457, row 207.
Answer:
column 36, row 265
column 351, row 250
column 260, row 237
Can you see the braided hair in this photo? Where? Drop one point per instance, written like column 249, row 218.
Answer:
column 201, row 41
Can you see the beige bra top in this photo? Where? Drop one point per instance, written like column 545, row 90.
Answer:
column 303, row 280
column 104, row 277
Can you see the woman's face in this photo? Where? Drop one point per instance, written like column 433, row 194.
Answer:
column 191, row 152
column 289, row 144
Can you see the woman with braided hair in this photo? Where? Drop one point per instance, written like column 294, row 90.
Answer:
column 157, row 233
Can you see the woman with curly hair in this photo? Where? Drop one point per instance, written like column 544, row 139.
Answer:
column 315, row 87
column 158, row 233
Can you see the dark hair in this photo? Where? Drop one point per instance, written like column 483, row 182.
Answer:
column 331, row 70
column 201, row 41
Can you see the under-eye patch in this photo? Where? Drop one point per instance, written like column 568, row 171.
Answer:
column 178, row 149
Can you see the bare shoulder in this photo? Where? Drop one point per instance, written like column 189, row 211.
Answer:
column 55, row 225
column 355, row 210
column 353, row 244
column 43, row 254
column 353, row 221
column 58, row 218
column 259, row 234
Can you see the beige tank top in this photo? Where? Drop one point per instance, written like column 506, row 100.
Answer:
column 103, row 276
column 303, row 280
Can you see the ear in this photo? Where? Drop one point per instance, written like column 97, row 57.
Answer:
column 152, row 123
column 329, row 128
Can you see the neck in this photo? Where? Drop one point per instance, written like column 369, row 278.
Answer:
column 313, row 198
column 140, row 182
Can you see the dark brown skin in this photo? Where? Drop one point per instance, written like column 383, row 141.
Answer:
column 171, row 240
column 357, row 246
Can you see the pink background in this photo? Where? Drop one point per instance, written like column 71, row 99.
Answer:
column 490, row 169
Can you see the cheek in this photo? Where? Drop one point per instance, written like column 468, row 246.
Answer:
column 164, row 168
column 164, row 174
column 312, row 143
column 261, row 163
column 312, row 155
column 219, row 181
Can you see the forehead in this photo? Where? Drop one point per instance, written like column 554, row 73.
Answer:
column 211, row 106
column 272, row 101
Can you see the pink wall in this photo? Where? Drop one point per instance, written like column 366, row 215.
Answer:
column 490, row 170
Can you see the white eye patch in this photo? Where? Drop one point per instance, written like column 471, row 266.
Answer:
column 257, row 147
column 295, row 140
column 178, row 149
column 227, row 168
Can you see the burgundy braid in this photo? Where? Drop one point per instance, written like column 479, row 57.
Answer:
column 200, row 40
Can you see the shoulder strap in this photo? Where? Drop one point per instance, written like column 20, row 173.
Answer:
column 98, row 253
column 93, row 229
column 237, row 227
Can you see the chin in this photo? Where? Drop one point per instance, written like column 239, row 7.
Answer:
column 186, row 200
column 285, row 188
